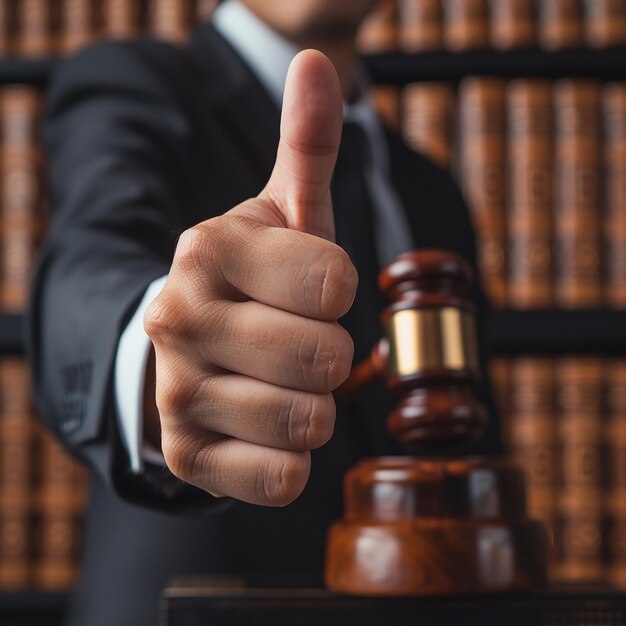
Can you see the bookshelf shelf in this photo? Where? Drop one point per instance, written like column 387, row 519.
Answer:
column 11, row 334
column 399, row 68
column 546, row 332
column 34, row 72
column 32, row 608
column 555, row 332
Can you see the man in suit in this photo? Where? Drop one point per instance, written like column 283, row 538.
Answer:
column 181, row 201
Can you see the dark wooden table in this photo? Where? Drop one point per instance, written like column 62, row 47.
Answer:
column 198, row 602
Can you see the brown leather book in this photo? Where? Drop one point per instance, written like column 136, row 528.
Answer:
column 580, row 504
column 6, row 27
column 482, row 171
column 614, row 116
column 61, row 494
column 466, row 25
column 16, row 435
column 20, row 193
column 560, row 24
column 529, row 116
column 170, row 19
column 34, row 23
column 605, row 23
column 577, row 204
column 120, row 18
column 427, row 114
column 77, row 23
column 531, row 435
column 386, row 101
column 379, row 31
column 420, row 25
column 512, row 24
column 615, row 446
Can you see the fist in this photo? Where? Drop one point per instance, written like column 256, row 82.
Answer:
column 247, row 345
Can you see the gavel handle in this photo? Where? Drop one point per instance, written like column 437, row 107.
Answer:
column 365, row 373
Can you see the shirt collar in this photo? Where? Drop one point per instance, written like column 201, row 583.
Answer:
column 268, row 54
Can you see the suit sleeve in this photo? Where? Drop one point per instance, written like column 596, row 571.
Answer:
column 118, row 139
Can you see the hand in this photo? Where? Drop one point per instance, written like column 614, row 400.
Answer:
column 247, row 345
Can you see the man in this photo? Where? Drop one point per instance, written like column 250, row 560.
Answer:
column 175, row 206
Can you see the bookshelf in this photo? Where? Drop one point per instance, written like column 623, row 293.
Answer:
column 511, row 332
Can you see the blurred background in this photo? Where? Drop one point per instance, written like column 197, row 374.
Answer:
column 524, row 102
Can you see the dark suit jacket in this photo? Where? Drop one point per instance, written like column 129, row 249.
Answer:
column 145, row 140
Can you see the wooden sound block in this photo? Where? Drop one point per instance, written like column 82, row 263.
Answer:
column 421, row 527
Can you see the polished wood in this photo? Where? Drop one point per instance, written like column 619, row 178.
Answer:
column 438, row 525
column 190, row 602
column 420, row 527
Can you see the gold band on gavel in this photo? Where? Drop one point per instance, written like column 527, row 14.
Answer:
column 429, row 339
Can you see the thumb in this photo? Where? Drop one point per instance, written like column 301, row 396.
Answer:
column 310, row 132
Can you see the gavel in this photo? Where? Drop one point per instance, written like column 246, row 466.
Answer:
column 440, row 525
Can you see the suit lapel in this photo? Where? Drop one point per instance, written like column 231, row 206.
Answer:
column 238, row 99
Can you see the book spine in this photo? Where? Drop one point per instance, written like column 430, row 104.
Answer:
column 20, row 194
column 6, row 27
column 614, row 116
column 482, row 171
column 532, row 437
column 205, row 9
column 615, row 444
column 529, row 115
column 466, row 25
column 78, row 24
column 386, row 101
column 427, row 110
column 420, row 25
column 512, row 24
column 379, row 31
column 169, row 20
column 577, row 194
column 34, row 19
column 581, row 515
column 61, row 487
column 120, row 18
column 605, row 22
column 560, row 24
column 15, row 475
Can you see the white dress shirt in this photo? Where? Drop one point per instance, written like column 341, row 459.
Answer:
column 268, row 55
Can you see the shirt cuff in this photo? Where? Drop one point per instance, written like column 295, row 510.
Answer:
column 130, row 375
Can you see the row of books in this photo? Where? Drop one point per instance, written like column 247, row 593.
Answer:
column 460, row 25
column 22, row 197
column 36, row 28
column 42, row 494
column 543, row 168
column 565, row 423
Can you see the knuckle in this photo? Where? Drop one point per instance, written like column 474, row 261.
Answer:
column 189, row 458
column 175, row 395
column 180, row 453
column 324, row 358
column 284, row 477
column 330, row 284
column 309, row 421
column 159, row 317
column 198, row 245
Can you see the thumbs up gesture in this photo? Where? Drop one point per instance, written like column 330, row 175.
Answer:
column 247, row 345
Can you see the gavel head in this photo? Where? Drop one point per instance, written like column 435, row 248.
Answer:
column 433, row 356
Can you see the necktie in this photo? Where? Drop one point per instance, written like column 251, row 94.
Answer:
column 355, row 233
